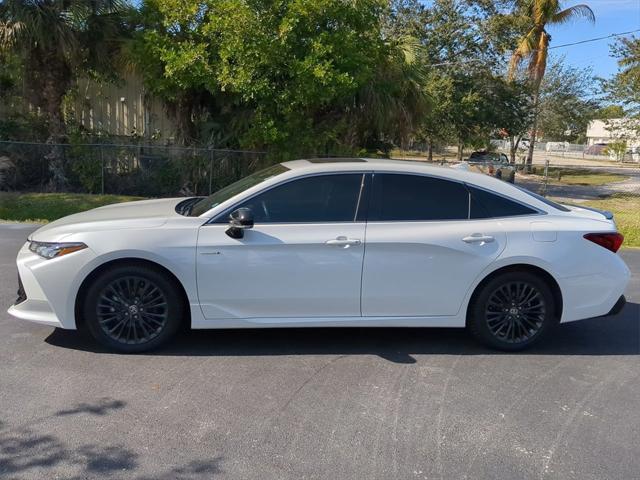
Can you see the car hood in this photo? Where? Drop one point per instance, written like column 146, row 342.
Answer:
column 141, row 214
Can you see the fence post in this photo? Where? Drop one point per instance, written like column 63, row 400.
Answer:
column 546, row 177
column 210, row 170
column 102, row 169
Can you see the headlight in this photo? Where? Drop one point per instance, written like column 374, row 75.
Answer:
column 52, row 250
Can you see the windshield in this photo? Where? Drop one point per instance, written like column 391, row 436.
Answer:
column 234, row 189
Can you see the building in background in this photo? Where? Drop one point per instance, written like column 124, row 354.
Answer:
column 122, row 109
column 614, row 130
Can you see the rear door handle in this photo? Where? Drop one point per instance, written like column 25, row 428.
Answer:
column 478, row 238
column 343, row 241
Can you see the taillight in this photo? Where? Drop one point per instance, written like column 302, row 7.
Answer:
column 610, row 241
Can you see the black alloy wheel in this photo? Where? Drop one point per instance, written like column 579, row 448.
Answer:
column 515, row 312
column 512, row 310
column 133, row 308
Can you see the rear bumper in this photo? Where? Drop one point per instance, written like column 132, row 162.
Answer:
column 617, row 308
column 596, row 295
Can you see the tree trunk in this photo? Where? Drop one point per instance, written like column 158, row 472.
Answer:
column 460, row 149
column 534, row 130
column 53, row 93
column 430, row 150
column 515, row 142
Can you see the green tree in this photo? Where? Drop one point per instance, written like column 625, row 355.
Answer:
column 624, row 88
column 58, row 41
column 566, row 102
column 463, row 44
column 609, row 111
column 295, row 77
column 533, row 47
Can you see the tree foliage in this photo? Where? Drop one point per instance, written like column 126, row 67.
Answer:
column 624, row 88
column 567, row 103
column 300, row 77
column 58, row 41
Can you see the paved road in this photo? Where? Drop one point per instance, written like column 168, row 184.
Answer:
column 334, row 404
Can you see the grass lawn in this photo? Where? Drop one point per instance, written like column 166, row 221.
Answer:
column 46, row 207
column 626, row 211
column 578, row 176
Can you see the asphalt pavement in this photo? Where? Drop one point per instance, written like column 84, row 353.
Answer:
column 326, row 404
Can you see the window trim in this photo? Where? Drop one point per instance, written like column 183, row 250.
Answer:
column 222, row 217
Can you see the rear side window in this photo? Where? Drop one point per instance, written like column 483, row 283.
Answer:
column 398, row 197
column 318, row 199
column 487, row 205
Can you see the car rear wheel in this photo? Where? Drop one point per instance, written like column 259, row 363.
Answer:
column 132, row 308
column 512, row 311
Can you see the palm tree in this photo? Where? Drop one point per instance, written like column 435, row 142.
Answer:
column 58, row 41
column 534, row 45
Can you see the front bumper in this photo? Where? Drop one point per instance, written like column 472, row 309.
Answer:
column 49, row 287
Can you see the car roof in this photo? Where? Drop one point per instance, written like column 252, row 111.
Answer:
column 301, row 167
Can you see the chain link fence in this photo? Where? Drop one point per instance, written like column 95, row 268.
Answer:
column 141, row 170
column 157, row 171
column 597, row 151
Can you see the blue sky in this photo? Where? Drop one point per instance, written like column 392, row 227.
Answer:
column 612, row 16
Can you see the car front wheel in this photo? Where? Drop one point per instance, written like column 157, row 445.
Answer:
column 132, row 308
column 512, row 311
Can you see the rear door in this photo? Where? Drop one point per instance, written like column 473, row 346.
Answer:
column 423, row 252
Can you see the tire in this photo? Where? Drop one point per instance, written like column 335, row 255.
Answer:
column 499, row 175
column 512, row 311
column 133, row 308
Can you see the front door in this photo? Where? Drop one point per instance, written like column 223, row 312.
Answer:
column 302, row 258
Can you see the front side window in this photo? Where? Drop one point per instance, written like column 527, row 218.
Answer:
column 235, row 188
column 399, row 197
column 317, row 199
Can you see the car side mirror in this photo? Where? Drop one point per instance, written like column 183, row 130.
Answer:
column 239, row 221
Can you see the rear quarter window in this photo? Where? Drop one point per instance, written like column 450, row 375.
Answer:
column 484, row 204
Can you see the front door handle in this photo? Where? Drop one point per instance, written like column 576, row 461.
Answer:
column 478, row 238
column 343, row 242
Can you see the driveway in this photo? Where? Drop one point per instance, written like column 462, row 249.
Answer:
column 325, row 404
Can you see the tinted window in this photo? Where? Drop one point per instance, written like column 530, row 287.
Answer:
column 240, row 186
column 486, row 205
column 415, row 197
column 324, row 198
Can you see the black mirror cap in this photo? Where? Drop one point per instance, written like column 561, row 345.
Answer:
column 241, row 218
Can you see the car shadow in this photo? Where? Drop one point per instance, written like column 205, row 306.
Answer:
column 619, row 335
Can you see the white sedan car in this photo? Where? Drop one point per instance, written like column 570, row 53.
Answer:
column 317, row 243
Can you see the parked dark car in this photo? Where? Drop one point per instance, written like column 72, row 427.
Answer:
column 596, row 149
column 494, row 164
